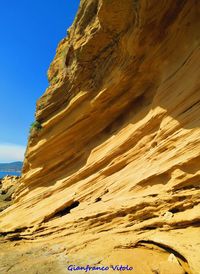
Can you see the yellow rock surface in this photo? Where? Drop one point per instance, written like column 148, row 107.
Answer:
column 114, row 173
column 8, row 186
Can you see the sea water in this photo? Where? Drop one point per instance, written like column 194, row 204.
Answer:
column 3, row 174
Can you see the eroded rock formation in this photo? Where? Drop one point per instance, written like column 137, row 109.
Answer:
column 113, row 172
column 8, row 186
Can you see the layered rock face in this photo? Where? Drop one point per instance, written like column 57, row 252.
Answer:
column 113, row 172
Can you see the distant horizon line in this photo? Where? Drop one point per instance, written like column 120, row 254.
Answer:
column 12, row 162
column 10, row 170
column 11, row 153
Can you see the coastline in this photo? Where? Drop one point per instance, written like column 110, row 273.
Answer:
column 9, row 173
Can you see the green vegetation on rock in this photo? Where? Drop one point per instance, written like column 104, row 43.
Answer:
column 35, row 126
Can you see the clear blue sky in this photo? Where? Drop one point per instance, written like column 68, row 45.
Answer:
column 30, row 31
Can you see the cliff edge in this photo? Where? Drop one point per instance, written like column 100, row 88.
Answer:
column 112, row 164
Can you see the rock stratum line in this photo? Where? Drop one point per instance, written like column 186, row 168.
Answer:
column 113, row 174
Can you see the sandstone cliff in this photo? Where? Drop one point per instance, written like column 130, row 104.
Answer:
column 112, row 174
